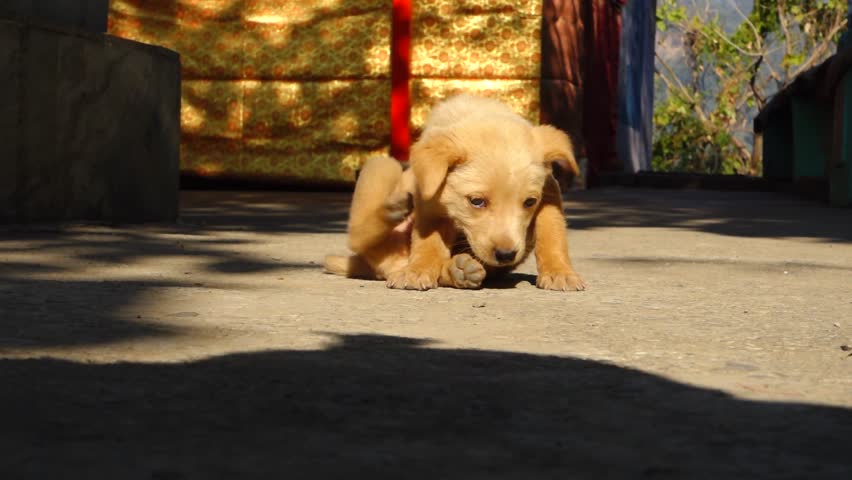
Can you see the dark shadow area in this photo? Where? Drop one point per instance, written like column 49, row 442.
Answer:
column 284, row 212
column 508, row 280
column 55, row 313
column 664, row 261
column 497, row 281
column 128, row 247
column 744, row 214
column 50, row 303
column 251, row 266
column 193, row 181
column 387, row 407
column 740, row 214
column 39, row 307
column 209, row 231
column 41, row 310
column 214, row 238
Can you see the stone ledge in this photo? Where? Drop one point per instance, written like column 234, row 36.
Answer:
column 88, row 15
column 89, row 127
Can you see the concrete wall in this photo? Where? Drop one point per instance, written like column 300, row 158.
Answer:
column 88, row 15
column 89, row 127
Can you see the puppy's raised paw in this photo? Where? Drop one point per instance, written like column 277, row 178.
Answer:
column 398, row 207
column 563, row 280
column 412, row 279
column 465, row 271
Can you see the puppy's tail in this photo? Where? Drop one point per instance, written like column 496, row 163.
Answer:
column 352, row 266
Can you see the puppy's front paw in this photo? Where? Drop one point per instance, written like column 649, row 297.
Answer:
column 412, row 279
column 561, row 280
column 465, row 272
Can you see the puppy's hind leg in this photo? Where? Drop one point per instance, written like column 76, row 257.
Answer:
column 379, row 223
column 400, row 204
column 352, row 266
column 370, row 221
column 375, row 264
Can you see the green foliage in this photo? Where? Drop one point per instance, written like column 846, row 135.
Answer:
column 669, row 13
column 685, row 143
column 702, row 123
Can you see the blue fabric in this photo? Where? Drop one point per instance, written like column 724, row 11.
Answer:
column 635, row 129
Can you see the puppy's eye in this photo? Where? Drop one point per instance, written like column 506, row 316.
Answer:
column 478, row 202
column 530, row 202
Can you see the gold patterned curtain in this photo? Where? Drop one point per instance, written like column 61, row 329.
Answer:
column 299, row 90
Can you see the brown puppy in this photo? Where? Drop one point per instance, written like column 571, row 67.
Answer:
column 483, row 198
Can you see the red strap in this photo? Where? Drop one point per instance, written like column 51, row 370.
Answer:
column 400, row 76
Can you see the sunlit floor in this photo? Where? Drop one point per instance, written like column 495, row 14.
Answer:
column 710, row 343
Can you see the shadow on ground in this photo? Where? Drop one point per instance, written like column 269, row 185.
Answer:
column 51, row 294
column 387, row 407
column 739, row 214
column 283, row 212
column 40, row 309
column 210, row 232
column 47, row 299
column 55, row 313
column 212, row 221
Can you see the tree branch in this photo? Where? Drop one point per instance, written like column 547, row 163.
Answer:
column 721, row 36
column 788, row 39
column 684, row 92
column 758, row 39
column 821, row 49
column 751, row 82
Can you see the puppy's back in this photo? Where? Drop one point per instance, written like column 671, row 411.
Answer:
column 466, row 107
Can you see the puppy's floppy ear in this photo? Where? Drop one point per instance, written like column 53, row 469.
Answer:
column 557, row 147
column 431, row 158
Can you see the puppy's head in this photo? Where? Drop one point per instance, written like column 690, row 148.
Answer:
column 489, row 176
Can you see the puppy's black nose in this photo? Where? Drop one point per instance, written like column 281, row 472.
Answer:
column 505, row 256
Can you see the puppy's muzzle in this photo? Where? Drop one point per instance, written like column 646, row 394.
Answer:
column 505, row 256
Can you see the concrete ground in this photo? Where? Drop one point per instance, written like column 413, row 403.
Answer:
column 712, row 343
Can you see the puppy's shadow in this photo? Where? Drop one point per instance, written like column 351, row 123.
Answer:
column 508, row 281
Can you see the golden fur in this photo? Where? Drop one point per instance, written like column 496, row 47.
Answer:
column 478, row 199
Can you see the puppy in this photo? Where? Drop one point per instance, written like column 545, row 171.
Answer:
column 478, row 199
